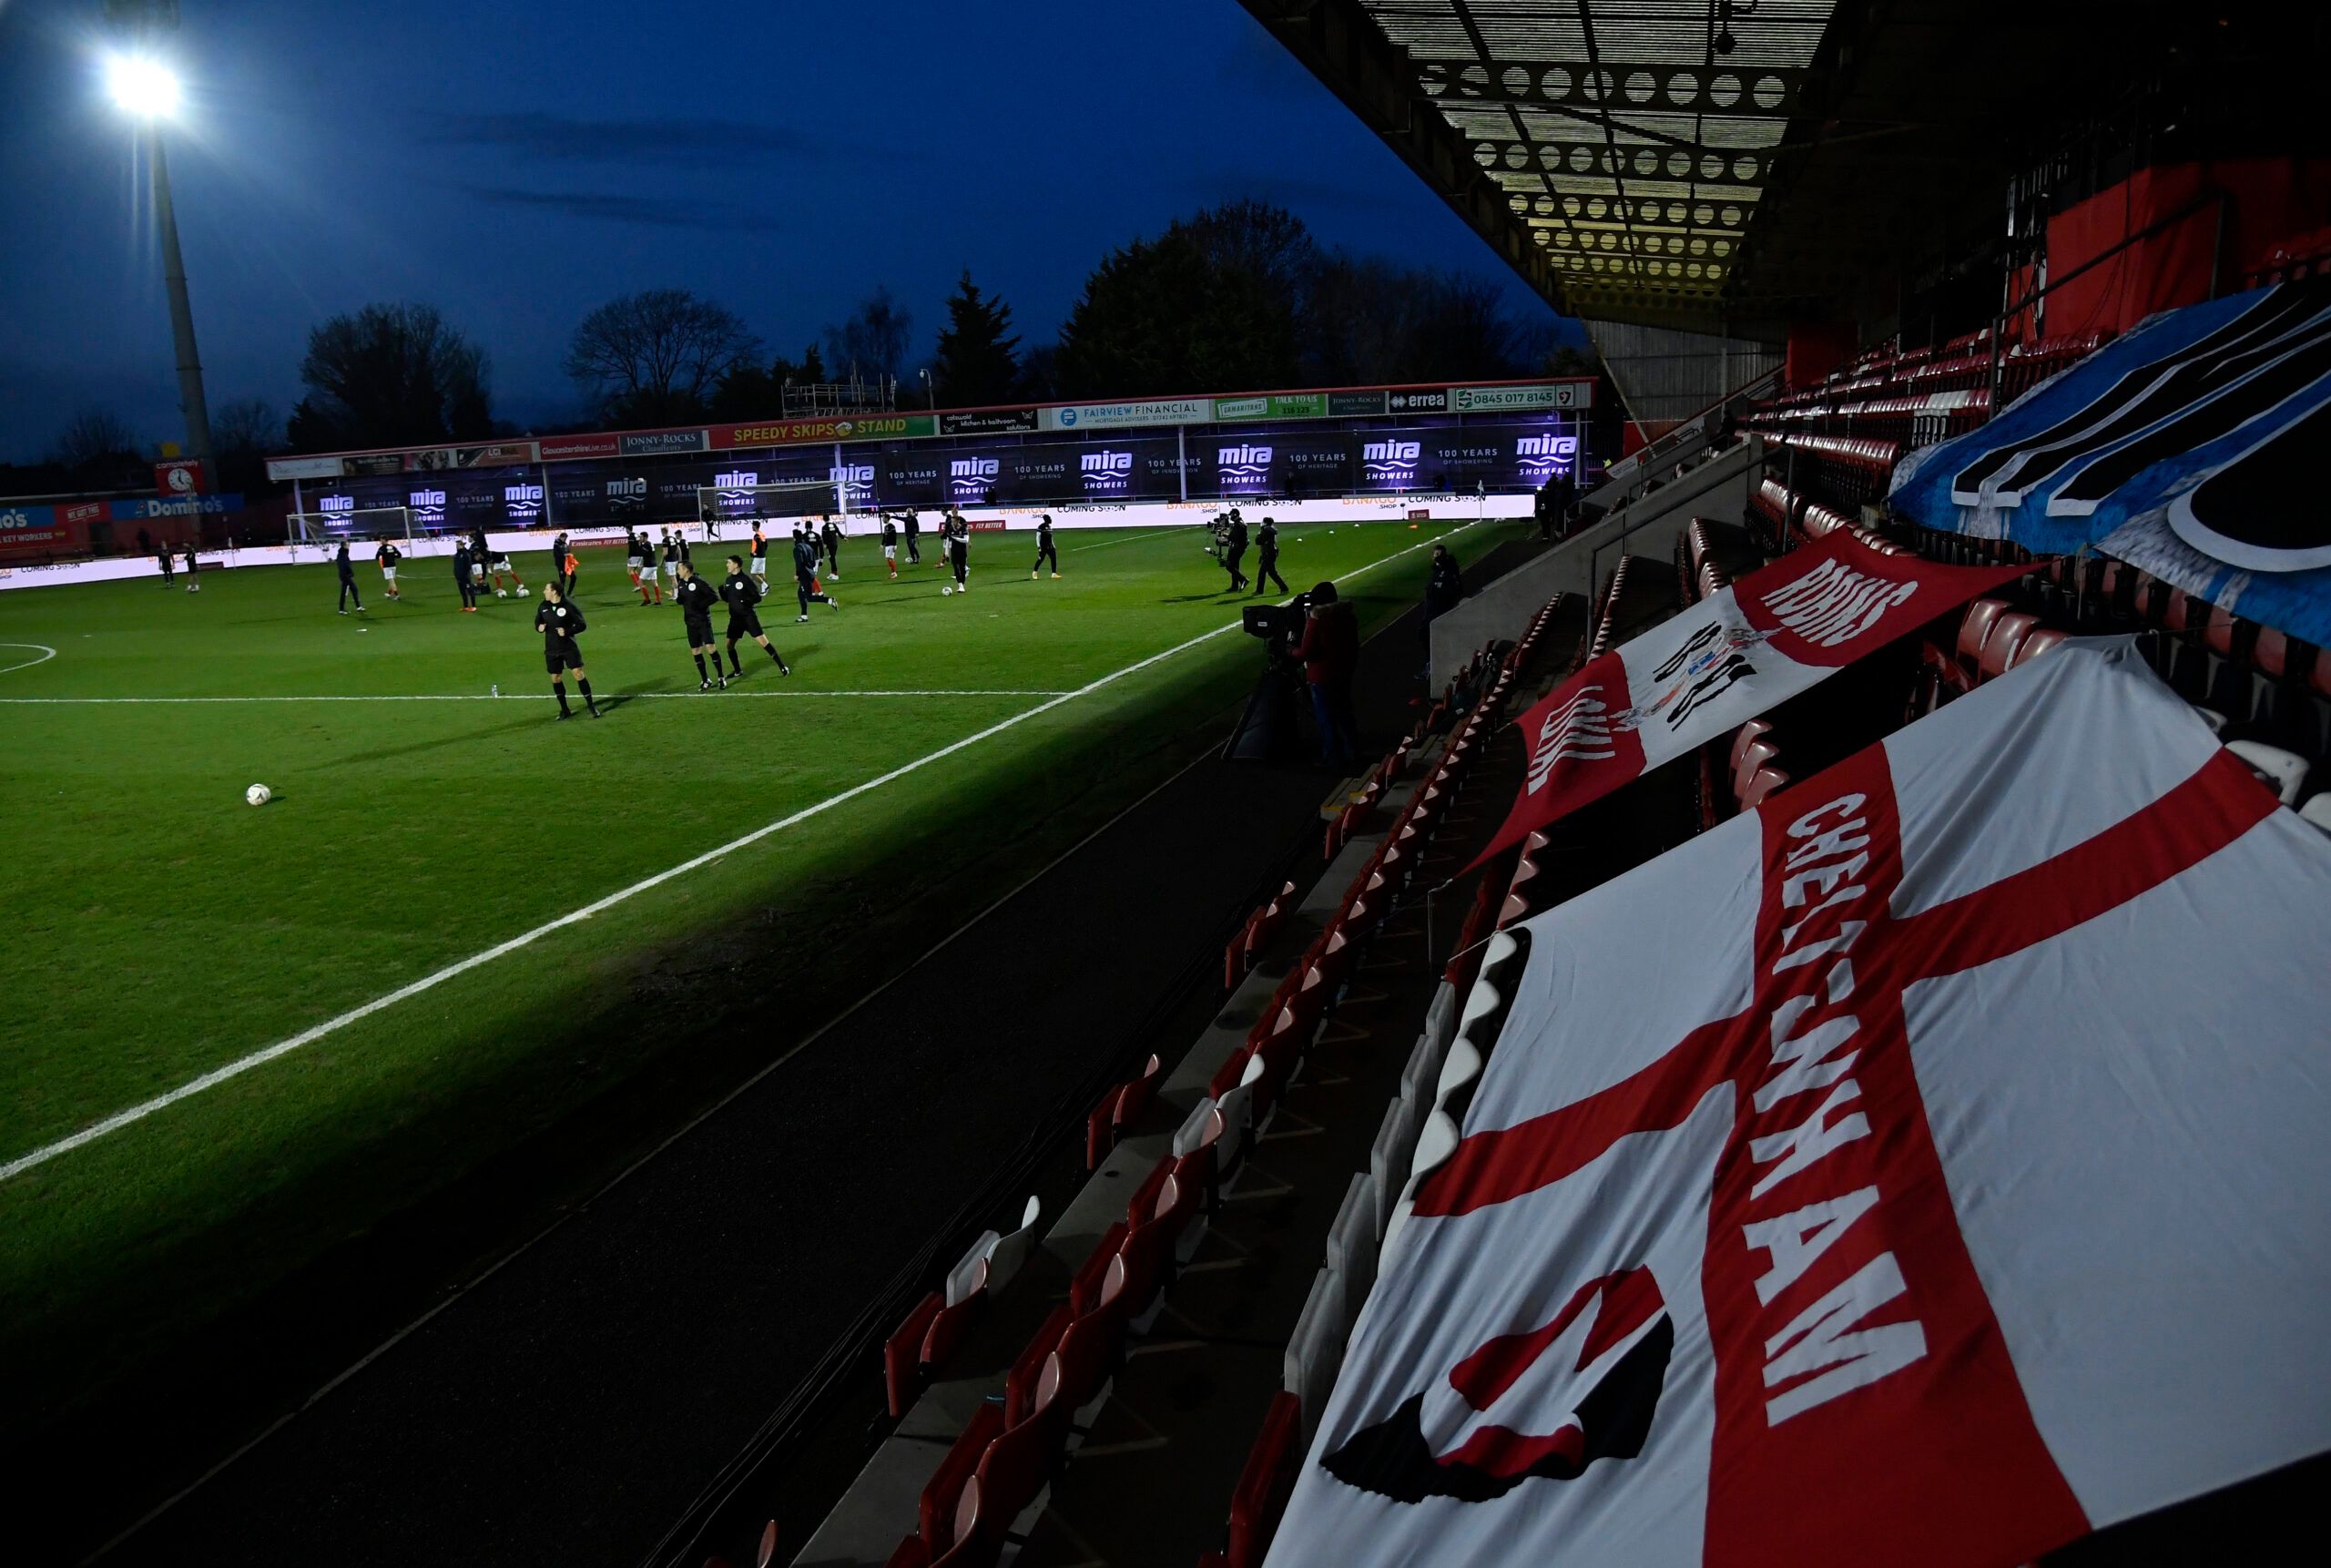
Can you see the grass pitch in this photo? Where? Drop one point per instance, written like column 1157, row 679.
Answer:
column 160, row 929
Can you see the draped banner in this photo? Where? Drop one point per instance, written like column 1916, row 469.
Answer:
column 1924, row 1168
column 2192, row 447
column 1722, row 662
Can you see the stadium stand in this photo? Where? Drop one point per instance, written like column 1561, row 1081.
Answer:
column 1360, row 1018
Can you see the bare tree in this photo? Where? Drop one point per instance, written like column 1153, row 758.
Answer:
column 246, row 427
column 873, row 340
column 95, row 438
column 390, row 375
column 657, row 355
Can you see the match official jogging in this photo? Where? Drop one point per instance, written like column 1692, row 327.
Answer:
column 561, row 624
column 742, row 594
column 697, row 598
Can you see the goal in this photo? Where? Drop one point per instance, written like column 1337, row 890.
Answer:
column 718, row 504
column 361, row 523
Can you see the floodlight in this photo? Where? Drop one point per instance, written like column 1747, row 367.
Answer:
column 141, row 86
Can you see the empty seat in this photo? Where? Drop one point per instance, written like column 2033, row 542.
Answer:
column 1021, row 1383
column 1745, row 736
column 1999, row 646
column 1975, row 626
column 1264, row 1484
column 902, row 1354
column 2317, row 809
column 1768, row 781
column 943, row 1492
column 2040, row 641
column 2283, row 773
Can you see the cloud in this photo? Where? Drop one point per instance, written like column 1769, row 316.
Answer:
column 614, row 206
column 727, row 143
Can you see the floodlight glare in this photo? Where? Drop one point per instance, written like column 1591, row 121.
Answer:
column 142, row 87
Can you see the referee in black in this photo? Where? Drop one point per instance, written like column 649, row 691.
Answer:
column 560, row 623
column 697, row 598
column 1044, row 551
column 743, row 594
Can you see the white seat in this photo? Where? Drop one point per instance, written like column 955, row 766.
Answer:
column 1198, row 1129
column 2317, row 809
column 1004, row 1258
column 2285, row 772
column 1461, row 1067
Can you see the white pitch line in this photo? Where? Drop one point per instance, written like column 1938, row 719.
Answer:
column 47, row 654
column 242, row 1064
column 511, row 697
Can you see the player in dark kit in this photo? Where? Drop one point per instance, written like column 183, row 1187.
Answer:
column 193, row 582
column 388, row 556
column 347, row 581
column 914, row 534
column 560, row 624
column 170, row 570
column 347, row 571
column 1044, row 551
column 743, row 593
column 1267, row 557
column 958, row 536
column 558, row 561
column 760, row 548
column 829, row 535
column 805, row 588
column 465, row 576
column 697, row 598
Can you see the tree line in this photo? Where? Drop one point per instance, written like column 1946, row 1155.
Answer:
column 1236, row 298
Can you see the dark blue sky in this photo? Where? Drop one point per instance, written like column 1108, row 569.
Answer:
column 517, row 165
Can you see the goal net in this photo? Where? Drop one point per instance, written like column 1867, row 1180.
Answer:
column 718, row 504
column 357, row 523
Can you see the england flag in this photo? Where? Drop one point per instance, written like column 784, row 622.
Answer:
column 1927, row 1168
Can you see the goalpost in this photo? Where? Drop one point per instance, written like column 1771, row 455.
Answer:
column 364, row 523
column 739, row 503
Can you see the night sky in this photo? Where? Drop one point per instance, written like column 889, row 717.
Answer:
column 517, row 165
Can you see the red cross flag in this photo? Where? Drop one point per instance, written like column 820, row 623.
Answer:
column 1734, row 654
column 1925, row 1168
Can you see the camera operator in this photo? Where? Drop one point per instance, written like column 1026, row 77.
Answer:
column 1234, row 550
column 1330, row 653
column 1444, row 590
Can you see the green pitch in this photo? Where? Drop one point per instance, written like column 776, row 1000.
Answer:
column 160, row 929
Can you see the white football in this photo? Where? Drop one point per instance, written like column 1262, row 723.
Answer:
column 501, row 593
column 259, row 794
column 945, row 589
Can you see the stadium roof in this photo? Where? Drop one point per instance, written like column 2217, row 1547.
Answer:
column 1692, row 163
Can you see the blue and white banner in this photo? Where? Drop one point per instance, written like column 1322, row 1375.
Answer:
column 2192, row 447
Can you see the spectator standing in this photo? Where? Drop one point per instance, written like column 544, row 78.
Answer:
column 1329, row 652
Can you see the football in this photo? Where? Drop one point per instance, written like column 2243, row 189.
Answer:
column 945, row 589
column 259, row 794
column 501, row 593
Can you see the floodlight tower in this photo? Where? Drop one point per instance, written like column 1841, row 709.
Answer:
column 145, row 89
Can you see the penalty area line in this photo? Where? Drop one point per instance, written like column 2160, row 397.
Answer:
column 47, row 654
column 308, row 1036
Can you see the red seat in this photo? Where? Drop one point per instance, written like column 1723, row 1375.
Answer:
column 2006, row 635
column 1084, row 1290
column 902, row 1354
column 1745, row 736
column 952, row 1323
column 1020, row 1384
column 1974, row 627
column 976, row 1545
column 935, row 1512
column 2040, row 641
column 910, row 1552
column 1751, row 762
column 1262, row 1486
column 1768, row 781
